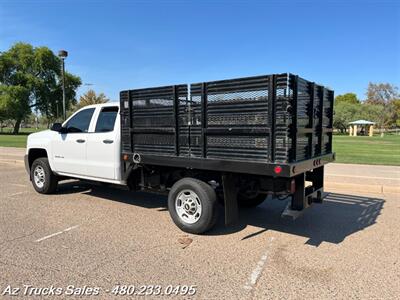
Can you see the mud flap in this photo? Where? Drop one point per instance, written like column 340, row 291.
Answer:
column 230, row 198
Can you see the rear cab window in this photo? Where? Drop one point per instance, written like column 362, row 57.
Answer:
column 106, row 119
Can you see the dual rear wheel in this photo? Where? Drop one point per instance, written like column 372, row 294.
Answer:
column 193, row 204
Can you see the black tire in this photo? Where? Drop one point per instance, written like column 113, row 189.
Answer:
column 50, row 180
column 208, row 200
column 247, row 202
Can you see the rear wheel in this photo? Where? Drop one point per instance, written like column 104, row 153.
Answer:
column 192, row 205
column 44, row 180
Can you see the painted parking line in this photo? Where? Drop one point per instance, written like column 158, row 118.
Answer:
column 18, row 184
column 256, row 273
column 16, row 194
column 11, row 161
column 56, row 233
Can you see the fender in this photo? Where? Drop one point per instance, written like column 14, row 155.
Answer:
column 41, row 140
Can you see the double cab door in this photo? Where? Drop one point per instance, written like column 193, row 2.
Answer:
column 90, row 145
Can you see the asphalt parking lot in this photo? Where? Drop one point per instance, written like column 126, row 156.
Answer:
column 96, row 236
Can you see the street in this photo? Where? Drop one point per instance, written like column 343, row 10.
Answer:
column 98, row 236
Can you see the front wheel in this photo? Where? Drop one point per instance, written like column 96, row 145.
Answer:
column 192, row 205
column 44, row 180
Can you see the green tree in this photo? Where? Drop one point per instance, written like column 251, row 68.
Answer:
column 90, row 97
column 347, row 108
column 344, row 113
column 350, row 98
column 14, row 104
column 396, row 108
column 373, row 112
column 392, row 113
column 386, row 95
column 31, row 77
column 381, row 93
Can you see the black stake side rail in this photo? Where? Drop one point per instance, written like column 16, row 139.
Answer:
column 245, row 125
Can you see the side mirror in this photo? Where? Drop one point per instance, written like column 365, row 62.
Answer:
column 56, row 127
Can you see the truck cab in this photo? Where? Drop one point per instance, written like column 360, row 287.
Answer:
column 86, row 146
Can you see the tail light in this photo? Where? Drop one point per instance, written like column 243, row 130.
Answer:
column 278, row 169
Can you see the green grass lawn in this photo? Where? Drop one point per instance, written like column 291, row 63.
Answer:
column 356, row 150
column 11, row 140
column 374, row 150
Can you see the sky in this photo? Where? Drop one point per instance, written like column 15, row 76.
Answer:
column 120, row 45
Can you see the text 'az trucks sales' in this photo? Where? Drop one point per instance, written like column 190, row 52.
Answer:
column 229, row 142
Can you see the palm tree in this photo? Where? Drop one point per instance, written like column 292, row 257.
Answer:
column 90, row 97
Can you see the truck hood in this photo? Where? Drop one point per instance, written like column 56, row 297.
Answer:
column 41, row 138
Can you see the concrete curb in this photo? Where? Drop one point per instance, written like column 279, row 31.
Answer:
column 15, row 161
column 378, row 189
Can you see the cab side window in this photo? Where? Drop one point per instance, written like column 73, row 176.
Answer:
column 106, row 119
column 80, row 122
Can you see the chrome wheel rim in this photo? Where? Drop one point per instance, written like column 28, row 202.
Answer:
column 39, row 176
column 188, row 206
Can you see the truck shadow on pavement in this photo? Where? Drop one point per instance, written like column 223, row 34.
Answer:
column 339, row 216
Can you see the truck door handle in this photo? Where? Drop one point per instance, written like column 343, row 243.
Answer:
column 80, row 141
column 108, row 141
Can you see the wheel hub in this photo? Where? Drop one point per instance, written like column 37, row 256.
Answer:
column 39, row 176
column 188, row 206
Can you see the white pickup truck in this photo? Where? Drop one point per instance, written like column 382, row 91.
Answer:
column 231, row 141
column 85, row 146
